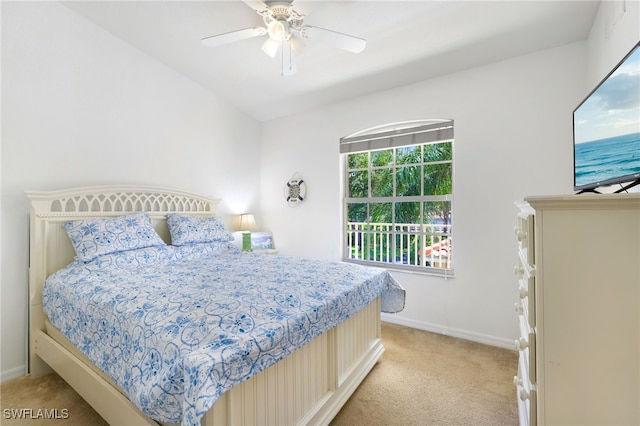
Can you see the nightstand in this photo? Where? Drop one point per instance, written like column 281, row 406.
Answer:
column 267, row 251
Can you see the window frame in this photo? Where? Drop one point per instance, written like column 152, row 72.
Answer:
column 396, row 136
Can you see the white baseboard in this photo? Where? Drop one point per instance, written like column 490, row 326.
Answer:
column 13, row 373
column 448, row 331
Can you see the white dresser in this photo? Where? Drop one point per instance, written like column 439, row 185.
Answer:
column 578, row 273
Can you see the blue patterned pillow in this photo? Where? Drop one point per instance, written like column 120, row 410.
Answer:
column 95, row 237
column 185, row 229
column 132, row 259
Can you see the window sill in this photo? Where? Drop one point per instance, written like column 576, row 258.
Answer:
column 394, row 267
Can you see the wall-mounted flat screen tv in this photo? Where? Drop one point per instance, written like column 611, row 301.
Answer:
column 606, row 130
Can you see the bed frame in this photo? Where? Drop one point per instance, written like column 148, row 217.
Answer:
column 308, row 387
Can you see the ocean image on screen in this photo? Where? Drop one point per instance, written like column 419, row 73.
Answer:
column 604, row 159
column 606, row 127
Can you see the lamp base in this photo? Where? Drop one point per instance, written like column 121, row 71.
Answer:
column 246, row 241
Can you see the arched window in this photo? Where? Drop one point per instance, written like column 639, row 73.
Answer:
column 398, row 196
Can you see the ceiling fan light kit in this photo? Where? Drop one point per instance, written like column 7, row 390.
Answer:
column 284, row 27
column 279, row 30
column 270, row 47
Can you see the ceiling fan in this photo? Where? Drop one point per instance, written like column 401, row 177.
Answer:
column 286, row 32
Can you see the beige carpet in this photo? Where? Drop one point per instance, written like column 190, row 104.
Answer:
column 422, row 379
column 431, row 379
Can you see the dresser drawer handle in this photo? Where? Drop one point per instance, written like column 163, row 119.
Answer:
column 521, row 344
column 524, row 292
column 518, row 307
column 520, row 234
column 517, row 381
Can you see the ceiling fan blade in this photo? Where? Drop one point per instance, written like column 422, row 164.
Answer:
column 289, row 66
column 230, row 37
column 342, row 41
column 256, row 5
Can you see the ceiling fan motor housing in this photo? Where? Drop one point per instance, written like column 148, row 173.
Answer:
column 280, row 11
column 281, row 19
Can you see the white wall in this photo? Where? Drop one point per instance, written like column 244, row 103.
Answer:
column 616, row 29
column 513, row 137
column 80, row 107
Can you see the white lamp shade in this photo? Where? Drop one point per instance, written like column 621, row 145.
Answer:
column 297, row 45
column 270, row 47
column 279, row 30
column 247, row 222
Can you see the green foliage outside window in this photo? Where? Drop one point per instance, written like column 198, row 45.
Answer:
column 402, row 188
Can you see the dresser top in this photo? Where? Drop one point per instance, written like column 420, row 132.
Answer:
column 581, row 201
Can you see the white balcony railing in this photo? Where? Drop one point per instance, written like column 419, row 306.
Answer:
column 401, row 243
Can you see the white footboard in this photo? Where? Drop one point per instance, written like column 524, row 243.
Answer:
column 311, row 385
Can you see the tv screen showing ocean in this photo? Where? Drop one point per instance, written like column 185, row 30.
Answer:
column 601, row 160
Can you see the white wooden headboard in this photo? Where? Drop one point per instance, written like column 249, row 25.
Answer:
column 50, row 248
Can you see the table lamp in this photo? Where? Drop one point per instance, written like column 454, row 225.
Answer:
column 247, row 224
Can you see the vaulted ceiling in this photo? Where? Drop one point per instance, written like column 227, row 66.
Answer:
column 407, row 42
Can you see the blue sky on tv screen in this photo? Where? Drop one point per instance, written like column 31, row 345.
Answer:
column 614, row 108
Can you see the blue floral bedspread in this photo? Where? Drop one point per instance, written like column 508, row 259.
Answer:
column 175, row 327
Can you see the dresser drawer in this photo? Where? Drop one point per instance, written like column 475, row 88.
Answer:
column 526, row 396
column 524, row 231
column 526, row 289
column 526, row 346
column 526, row 293
column 523, row 267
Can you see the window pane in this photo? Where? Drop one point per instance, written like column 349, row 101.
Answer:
column 407, row 238
column 357, row 212
column 359, row 184
column 408, row 181
column 408, row 213
column 437, row 179
column 440, row 151
column 408, row 154
column 438, row 243
column 408, row 248
column 381, row 212
column 356, row 227
column 380, row 240
column 358, row 160
column 382, row 158
column 438, row 215
column 382, row 183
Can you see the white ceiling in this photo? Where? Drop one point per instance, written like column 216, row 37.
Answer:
column 407, row 41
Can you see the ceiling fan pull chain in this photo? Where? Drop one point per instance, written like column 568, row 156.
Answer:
column 281, row 58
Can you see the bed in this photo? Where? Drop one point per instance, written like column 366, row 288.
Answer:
column 171, row 333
